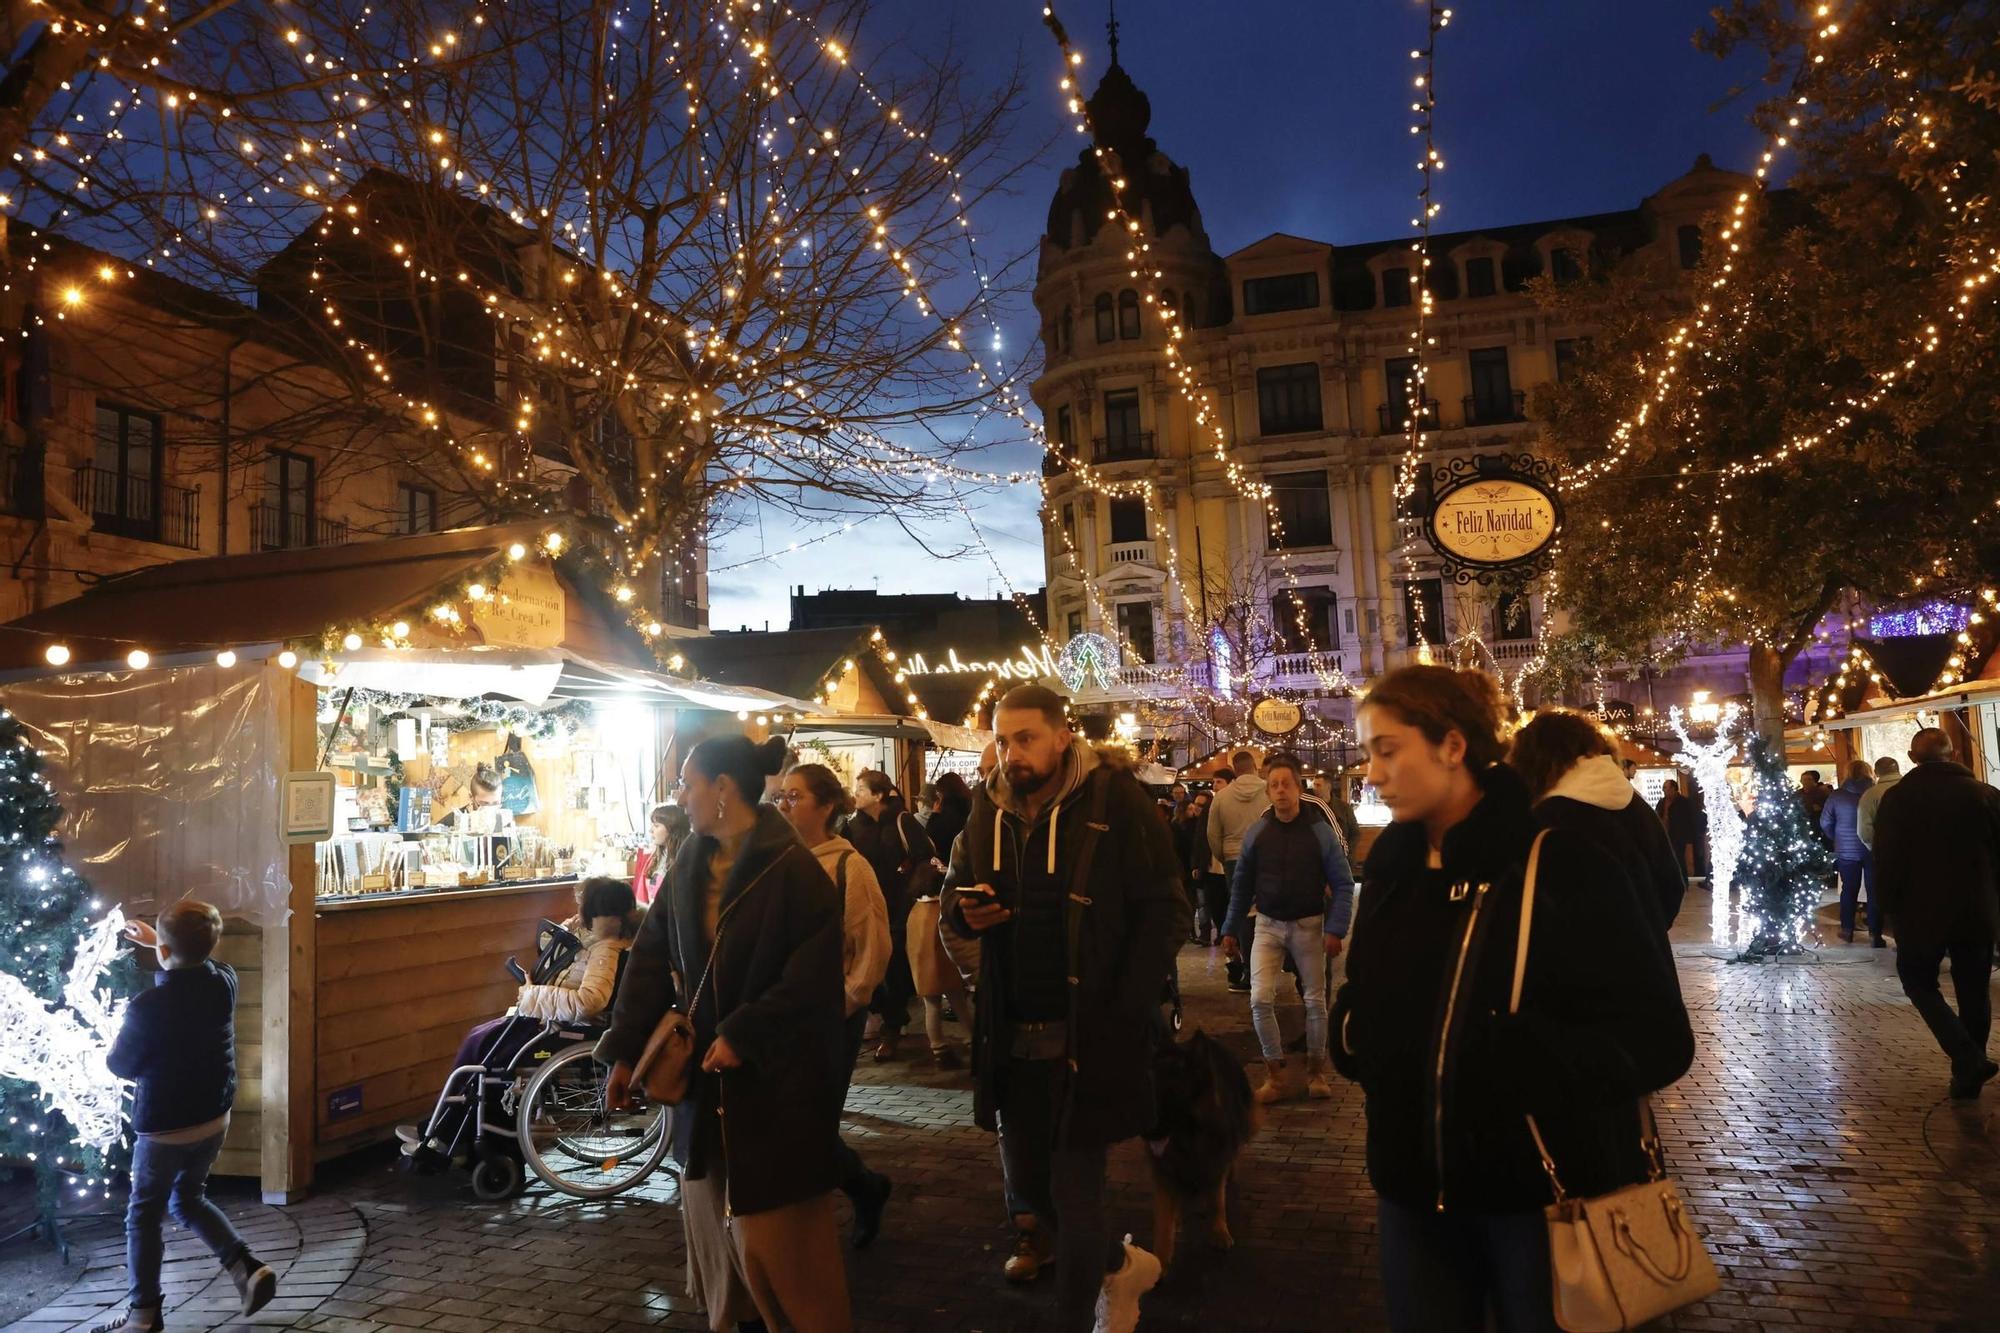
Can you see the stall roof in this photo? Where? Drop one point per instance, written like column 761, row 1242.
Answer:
column 533, row 676
column 269, row 595
column 794, row 662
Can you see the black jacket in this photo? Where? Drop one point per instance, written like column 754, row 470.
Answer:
column 1124, row 929
column 775, row 993
column 1937, row 857
column 178, row 1044
column 946, row 823
column 891, row 844
column 1634, row 839
column 1430, row 967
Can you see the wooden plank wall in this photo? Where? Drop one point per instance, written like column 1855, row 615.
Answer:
column 242, row 948
column 399, row 985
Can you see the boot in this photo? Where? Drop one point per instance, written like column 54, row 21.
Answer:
column 1317, row 1087
column 1031, row 1250
column 1274, row 1089
column 137, row 1319
column 255, row 1282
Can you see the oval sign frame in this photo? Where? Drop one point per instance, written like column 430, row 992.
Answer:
column 1510, row 487
column 1275, row 704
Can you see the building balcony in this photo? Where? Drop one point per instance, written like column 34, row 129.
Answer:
column 16, row 495
column 1513, row 652
column 1057, row 461
column 1394, row 417
column 142, row 508
column 1496, row 409
column 1122, row 448
column 1061, row 561
column 276, row 529
column 1132, row 553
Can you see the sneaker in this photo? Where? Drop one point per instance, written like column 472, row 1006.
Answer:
column 255, row 1282
column 868, row 1206
column 1118, row 1302
column 137, row 1319
column 1031, row 1252
column 1964, row 1087
column 410, row 1133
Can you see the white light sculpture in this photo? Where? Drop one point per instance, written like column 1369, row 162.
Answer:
column 1709, row 761
column 61, row 1049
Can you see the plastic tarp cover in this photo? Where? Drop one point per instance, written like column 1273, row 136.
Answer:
column 169, row 783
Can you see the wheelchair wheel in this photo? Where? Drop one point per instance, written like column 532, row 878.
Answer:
column 577, row 1145
column 498, row 1176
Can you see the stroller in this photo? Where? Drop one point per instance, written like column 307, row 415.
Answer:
column 540, row 1108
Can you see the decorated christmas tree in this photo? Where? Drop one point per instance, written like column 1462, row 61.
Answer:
column 61, row 967
column 1784, row 865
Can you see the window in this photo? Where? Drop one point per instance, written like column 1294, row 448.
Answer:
column 285, row 518
column 1135, row 629
column 1289, row 291
column 1688, row 241
column 1069, row 521
column 1423, row 493
column 1512, row 618
column 1303, row 620
column 1107, row 328
column 124, row 481
column 1395, row 286
column 1423, row 611
column 1479, row 277
column 1122, row 436
column 1347, row 619
column 1066, row 330
column 1288, row 399
column 1397, row 374
column 1569, row 351
column 1304, row 512
column 1169, row 303
column 1064, row 437
column 416, row 509
column 1492, row 396
column 1374, row 622
column 1128, row 521
column 1128, row 313
column 1564, row 265
column 1075, row 623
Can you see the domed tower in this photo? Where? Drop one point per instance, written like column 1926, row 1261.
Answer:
column 1105, row 391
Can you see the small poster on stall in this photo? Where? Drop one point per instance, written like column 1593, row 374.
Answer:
column 307, row 807
column 526, row 611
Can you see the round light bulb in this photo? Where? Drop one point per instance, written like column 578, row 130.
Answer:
column 516, row 551
column 351, row 642
column 401, row 629
column 288, row 659
column 477, row 592
column 137, row 658
column 57, row 654
column 225, row 658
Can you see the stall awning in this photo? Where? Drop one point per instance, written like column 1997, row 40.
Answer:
column 881, row 726
column 1949, row 699
column 533, row 676
column 948, row 737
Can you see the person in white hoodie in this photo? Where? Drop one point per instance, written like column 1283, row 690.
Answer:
column 1576, row 782
column 1235, row 808
column 810, row 797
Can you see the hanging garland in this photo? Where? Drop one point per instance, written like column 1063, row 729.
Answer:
column 534, row 724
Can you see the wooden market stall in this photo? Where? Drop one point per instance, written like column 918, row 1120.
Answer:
column 326, row 799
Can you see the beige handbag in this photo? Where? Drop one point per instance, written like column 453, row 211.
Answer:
column 1622, row 1258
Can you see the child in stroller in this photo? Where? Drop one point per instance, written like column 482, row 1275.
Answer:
column 573, row 984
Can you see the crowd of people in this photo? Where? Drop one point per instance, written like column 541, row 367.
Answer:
column 1508, row 1004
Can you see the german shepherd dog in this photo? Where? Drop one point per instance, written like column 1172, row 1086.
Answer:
column 1205, row 1116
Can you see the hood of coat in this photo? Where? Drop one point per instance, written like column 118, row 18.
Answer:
column 1597, row 780
column 1495, row 835
column 1245, row 790
column 1857, row 785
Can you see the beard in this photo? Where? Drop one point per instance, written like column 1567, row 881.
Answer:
column 1026, row 781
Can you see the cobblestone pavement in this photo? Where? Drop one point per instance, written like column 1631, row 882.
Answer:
column 1836, row 1186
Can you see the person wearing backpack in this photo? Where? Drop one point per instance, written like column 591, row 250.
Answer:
column 811, row 798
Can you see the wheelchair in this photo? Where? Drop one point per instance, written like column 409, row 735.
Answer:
column 542, row 1108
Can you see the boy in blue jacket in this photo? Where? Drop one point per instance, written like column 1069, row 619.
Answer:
column 178, row 1045
column 1293, row 869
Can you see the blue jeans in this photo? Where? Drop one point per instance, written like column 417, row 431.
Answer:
column 1852, row 875
column 1274, row 940
column 172, row 1175
column 1442, row 1272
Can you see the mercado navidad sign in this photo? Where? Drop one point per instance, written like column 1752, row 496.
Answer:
column 1503, row 515
column 1085, row 659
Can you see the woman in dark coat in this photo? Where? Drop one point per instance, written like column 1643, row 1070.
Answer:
column 1576, row 782
column 886, row 833
column 1423, row 1022
column 749, row 909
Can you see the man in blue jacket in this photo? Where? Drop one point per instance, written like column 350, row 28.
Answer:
column 1292, row 868
column 1840, row 820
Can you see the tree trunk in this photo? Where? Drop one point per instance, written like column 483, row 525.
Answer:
column 1767, row 695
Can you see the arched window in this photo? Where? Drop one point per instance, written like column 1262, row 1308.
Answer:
column 1107, row 329
column 1564, row 265
column 1169, row 303
column 1128, row 313
column 1689, row 241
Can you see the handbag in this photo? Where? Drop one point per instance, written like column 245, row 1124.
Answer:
column 1618, row 1259
column 665, row 1068
column 921, row 879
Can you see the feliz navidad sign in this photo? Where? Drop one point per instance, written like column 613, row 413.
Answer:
column 1493, row 514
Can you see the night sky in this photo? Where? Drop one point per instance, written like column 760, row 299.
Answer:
column 1292, row 117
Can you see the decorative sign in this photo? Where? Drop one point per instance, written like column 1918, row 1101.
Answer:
column 307, row 807
column 1030, row 663
column 1276, row 717
column 527, row 610
column 344, row 1103
column 1494, row 514
column 1088, row 658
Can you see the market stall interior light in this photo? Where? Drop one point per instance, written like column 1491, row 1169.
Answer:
column 351, row 642
column 137, row 658
column 225, row 658
column 57, row 654
column 288, row 659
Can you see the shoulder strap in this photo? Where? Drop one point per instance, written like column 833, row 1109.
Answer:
column 722, row 920
column 1527, row 920
column 840, row 873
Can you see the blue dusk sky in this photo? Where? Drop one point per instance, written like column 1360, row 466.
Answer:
column 1294, row 117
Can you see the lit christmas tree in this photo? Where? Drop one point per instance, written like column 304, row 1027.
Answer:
column 60, row 971
column 1784, row 865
